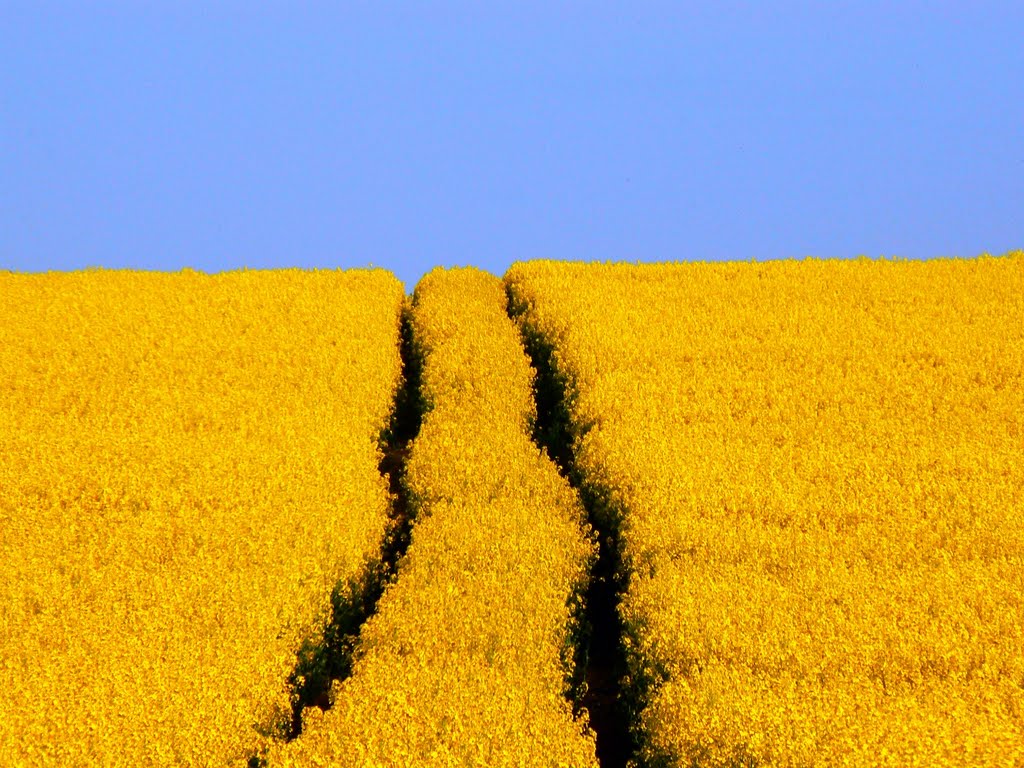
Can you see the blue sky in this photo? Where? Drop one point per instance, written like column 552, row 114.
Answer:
column 157, row 135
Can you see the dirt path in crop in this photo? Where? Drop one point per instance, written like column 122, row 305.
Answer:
column 330, row 658
column 600, row 660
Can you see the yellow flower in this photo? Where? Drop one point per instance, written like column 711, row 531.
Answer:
column 818, row 470
column 462, row 663
column 188, row 465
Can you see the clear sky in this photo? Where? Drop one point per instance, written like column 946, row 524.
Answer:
column 157, row 135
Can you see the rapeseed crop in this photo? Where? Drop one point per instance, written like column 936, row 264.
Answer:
column 816, row 470
column 188, row 467
column 467, row 660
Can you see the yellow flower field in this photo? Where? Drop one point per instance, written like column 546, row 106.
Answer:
column 465, row 661
column 817, row 472
column 810, row 475
column 188, row 467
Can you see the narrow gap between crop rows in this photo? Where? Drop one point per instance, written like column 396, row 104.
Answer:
column 329, row 658
column 600, row 665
